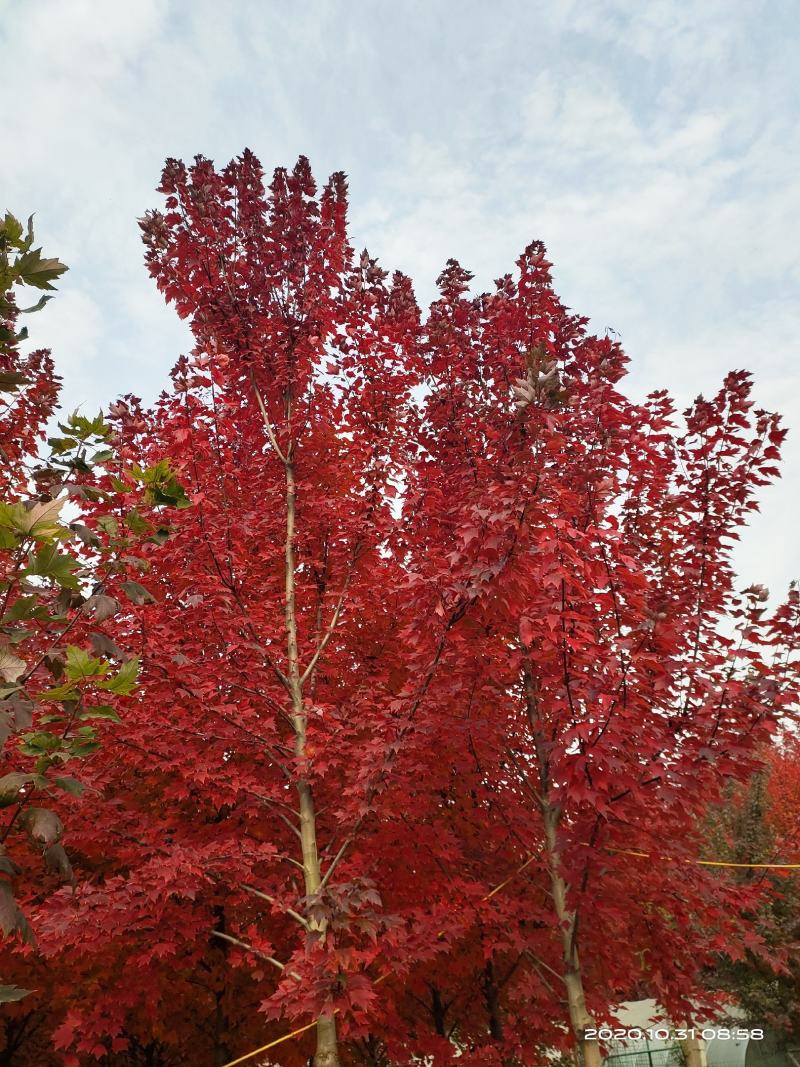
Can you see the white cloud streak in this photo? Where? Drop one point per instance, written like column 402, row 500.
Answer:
column 653, row 147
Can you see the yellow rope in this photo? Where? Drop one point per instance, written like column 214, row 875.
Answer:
column 272, row 1044
column 381, row 978
column 713, row 863
column 511, row 877
column 489, row 895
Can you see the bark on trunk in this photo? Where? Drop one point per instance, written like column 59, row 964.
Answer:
column 490, row 994
column 438, row 1011
column 579, row 1017
column 693, row 1049
column 327, row 1054
column 588, row 1049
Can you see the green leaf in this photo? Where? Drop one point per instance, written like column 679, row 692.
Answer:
column 78, row 463
column 61, row 692
column 11, row 993
column 70, row 785
column 162, row 485
column 40, row 743
column 100, row 711
column 80, row 664
column 137, row 594
column 124, row 682
column 9, row 380
column 11, row 230
column 50, row 563
column 39, row 272
column 108, row 524
column 17, row 634
column 79, row 749
column 40, row 303
column 23, row 608
column 61, row 445
column 13, row 516
column 135, row 523
column 41, row 520
column 79, row 426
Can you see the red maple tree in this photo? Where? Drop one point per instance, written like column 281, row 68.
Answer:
column 584, row 540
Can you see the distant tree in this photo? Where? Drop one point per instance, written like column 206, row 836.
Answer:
column 759, row 823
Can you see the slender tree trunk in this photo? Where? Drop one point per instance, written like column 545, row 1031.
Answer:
column 491, row 996
column 221, row 1051
column 693, row 1049
column 588, row 1049
column 438, row 1011
column 327, row 1054
column 579, row 1017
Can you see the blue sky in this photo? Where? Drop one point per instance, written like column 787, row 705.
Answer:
column 654, row 147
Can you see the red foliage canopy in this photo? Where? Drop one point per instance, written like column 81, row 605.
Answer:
column 447, row 601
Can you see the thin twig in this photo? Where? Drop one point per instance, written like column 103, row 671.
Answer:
column 271, row 900
column 256, row 952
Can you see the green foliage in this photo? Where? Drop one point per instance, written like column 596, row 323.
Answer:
column 124, row 681
column 44, row 573
column 21, row 264
column 161, row 485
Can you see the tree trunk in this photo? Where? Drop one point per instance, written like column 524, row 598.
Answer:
column 438, row 1011
column 693, row 1049
column 490, row 994
column 327, row 1054
column 579, row 1017
column 588, row 1049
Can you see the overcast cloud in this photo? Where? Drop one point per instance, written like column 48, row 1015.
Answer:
column 653, row 147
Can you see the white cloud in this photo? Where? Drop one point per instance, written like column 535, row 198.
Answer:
column 75, row 321
column 654, row 147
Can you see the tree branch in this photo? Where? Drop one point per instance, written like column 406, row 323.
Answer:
column 271, row 900
column 255, row 951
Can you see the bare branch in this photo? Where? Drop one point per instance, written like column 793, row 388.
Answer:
column 255, row 951
column 271, row 900
column 334, row 620
column 273, row 440
column 540, row 963
column 335, row 861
